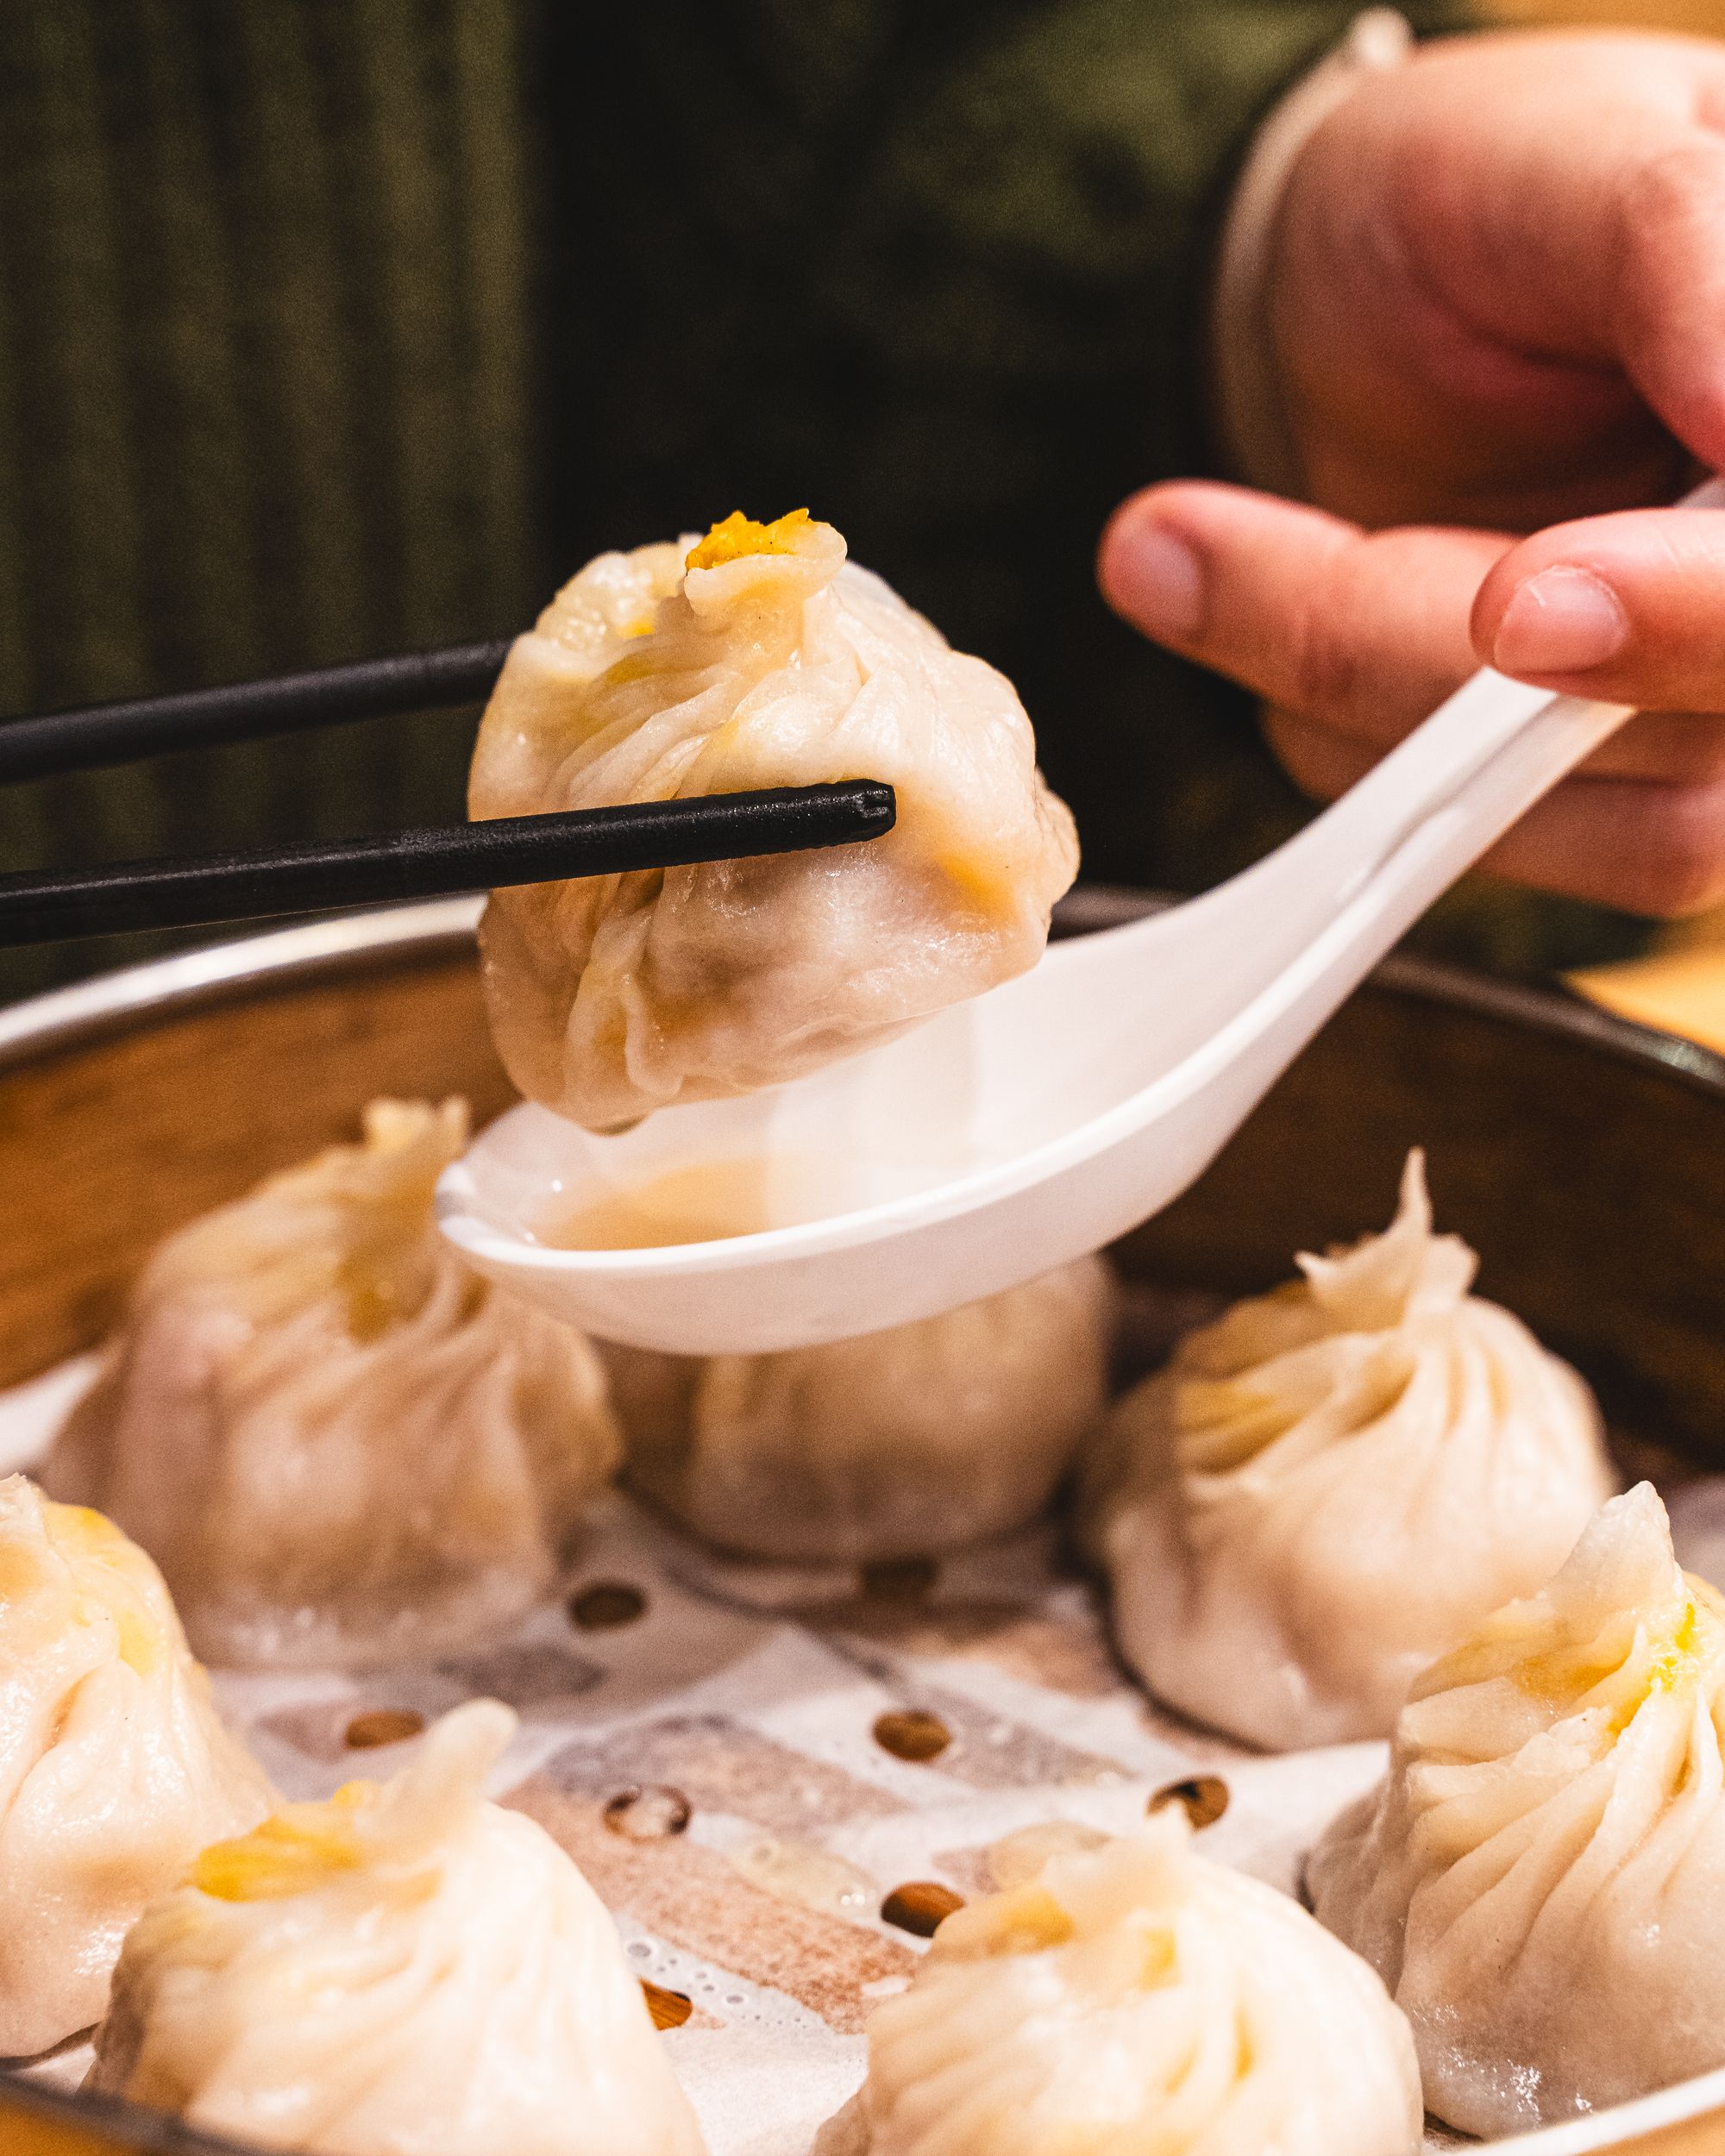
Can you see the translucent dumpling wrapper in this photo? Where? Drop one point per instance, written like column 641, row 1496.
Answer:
column 1540, row 1877
column 889, row 1444
column 115, row 1769
column 1332, row 1485
column 759, row 657
column 404, row 1970
column 1136, row 1997
column 338, row 1442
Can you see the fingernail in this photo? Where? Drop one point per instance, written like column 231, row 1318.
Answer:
column 1562, row 621
column 1158, row 582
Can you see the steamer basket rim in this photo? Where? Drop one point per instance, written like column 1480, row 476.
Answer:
column 426, row 932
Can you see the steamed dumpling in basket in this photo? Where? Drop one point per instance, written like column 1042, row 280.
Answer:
column 1136, row 1997
column 338, row 1442
column 1541, row 1877
column 891, row 1444
column 1334, row 1483
column 759, row 657
column 115, row 1769
column 404, row 1971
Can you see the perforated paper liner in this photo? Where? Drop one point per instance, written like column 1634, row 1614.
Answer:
column 752, row 1693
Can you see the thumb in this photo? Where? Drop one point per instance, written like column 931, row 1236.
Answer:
column 1367, row 631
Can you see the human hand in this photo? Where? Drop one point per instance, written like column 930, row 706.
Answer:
column 1498, row 297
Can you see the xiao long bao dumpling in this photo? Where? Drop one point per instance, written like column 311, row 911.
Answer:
column 1136, row 1996
column 339, row 1443
column 404, row 1970
column 1540, row 1877
column 759, row 657
column 890, row 1444
column 1333, row 1484
column 114, row 1768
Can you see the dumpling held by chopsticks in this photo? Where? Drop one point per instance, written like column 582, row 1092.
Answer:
column 759, row 657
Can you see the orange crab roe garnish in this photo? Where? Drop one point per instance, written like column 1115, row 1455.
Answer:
column 739, row 534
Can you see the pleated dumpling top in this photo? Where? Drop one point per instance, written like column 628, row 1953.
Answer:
column 758, row 657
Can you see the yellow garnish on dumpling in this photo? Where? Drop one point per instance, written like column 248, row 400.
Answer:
column 115, row 1578
column 80, row 1527
column 1684, row 1653
column 737, row 536
column 294, row 1849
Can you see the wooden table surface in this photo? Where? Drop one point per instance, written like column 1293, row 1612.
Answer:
column 1704, row 17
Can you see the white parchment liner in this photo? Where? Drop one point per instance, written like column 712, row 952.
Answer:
column 754, row 1692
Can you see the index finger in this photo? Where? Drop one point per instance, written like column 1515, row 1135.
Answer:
column 1365, row 630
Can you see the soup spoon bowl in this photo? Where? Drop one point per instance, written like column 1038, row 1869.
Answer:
column 1022, row 1128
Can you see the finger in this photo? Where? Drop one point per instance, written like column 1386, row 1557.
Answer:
column 1367, row 630
column 1304, row 609
column 1626, row 608
column 1663, row 748
column 1609, row 196
column 1648, row 849
column 1668, row 284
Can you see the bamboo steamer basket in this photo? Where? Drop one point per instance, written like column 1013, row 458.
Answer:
column 1582, row 1156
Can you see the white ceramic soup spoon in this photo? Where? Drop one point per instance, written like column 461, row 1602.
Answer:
column 1014, row 1132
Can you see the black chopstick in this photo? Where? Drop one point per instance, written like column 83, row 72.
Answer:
column 317, row 877
column 283, row 703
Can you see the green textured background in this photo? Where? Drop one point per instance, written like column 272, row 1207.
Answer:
column 334, row 327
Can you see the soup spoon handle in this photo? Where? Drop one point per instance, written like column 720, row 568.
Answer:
column 1378, row 909
column 1318, row 913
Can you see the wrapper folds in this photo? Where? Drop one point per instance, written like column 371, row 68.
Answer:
column 340, row 1445
column 1332, row 1485
column 1540, row 1877
column 1136, row 1997
column 404, row 1971
column 115, row 1769
column 891, row 1444
column 759, row 657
